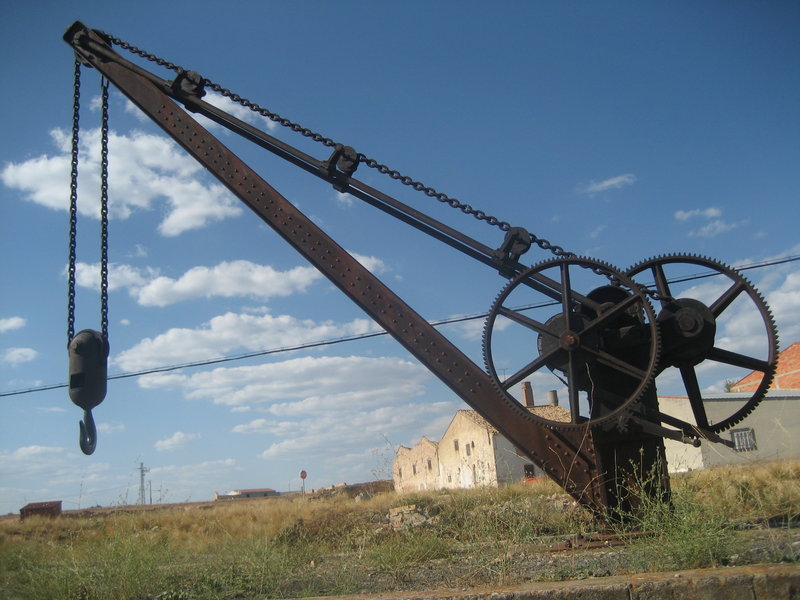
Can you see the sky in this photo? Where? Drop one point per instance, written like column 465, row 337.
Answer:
column 619, row 130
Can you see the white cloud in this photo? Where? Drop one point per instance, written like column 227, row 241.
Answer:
column 146, row 169
column 175, row 441
column 594, row 233
column 783, row 301
column 715, row 228
column 344, row 199
column 109, row 428
column 313, row 404
column 218, row 100
column 227, row 279
column 300, row 385
column 28, row 460
column 11, row 323
column 120, row 276
column 231, row 331
column 708, row 213
column 619, row 181
column 17, row 356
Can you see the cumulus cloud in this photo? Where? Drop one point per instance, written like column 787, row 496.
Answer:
column 714, row 226
column 29, row 459
column 616, row 182
column 708, row 213
column 175, row 441
column 146, row 169
column 11, row 323
column 17, row 356
column 232, row 331
column 109, row 428
column 302, row 385
column 228, row 279
column 311, row 404
column 218, row 100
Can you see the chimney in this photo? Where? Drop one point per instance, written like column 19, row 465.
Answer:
column 552, row 398
column 527, row 394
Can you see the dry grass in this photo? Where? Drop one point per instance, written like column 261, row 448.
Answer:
column 293, row 547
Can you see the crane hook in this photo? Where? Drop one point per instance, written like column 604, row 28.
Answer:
column 88, row 365
column 88, row 433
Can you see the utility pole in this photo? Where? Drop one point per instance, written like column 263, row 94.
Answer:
column 142, row 471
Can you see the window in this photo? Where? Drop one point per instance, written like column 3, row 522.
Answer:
column 455, row 445
column 744, row 440
column 430, row 466
column 469, row 450
column 449, row 478
column 414, row 468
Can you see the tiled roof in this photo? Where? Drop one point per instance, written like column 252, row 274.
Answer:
column 787, row 375
column 551, row 413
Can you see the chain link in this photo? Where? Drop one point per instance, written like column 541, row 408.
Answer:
column 104, row 210
column 362, row 158
column 73, row 200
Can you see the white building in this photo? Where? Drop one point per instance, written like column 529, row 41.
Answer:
column 770, row 432
column 471, row 453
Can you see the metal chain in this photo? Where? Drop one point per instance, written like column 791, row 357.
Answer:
column 328, row 142
column 362, row 158
column 73, row 201
column 104, row 210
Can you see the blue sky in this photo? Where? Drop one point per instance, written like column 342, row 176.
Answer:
column 618, row 130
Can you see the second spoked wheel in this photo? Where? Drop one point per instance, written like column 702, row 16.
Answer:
column 577, row 329
column 719, row 342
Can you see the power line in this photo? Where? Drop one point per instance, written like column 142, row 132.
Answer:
column 353, row 338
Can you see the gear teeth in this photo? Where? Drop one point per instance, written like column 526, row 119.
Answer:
column 760, row 304
column 617, row 277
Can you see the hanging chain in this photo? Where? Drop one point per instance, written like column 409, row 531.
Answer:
column 73, row 201
column 104, row 210
column 480, row 215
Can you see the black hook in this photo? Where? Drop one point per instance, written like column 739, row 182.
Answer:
column 88, row 435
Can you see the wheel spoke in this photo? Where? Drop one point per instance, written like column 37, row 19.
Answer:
column 521, row 319
column 662, row 285
column 613, row 312
column 695, row 396
column 566, row 293
column 572, row 388
column 531, row 367
column 729, row 296
column 615, row 363
column 739, row 360
column 554, row 290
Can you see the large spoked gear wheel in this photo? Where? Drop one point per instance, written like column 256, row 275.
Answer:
column 573, row 323
column 713, row 323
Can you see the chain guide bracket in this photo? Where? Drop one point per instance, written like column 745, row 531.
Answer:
column 703, row 329
column 561, row 327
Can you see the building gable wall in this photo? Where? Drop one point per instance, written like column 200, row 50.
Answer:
column 417, row 468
